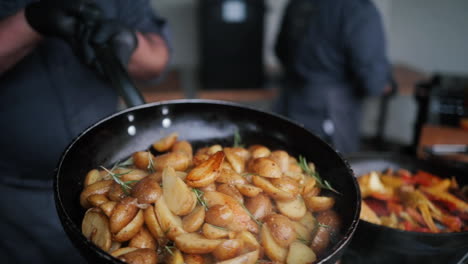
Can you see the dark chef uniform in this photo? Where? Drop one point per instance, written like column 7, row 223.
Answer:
column 333, row 53
column 47, row 99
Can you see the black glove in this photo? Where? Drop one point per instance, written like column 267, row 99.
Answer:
column 111, row 33
column 59, row 18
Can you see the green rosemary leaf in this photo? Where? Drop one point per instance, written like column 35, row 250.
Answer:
column 237, row 140
column 116, row 177
column 200, row 199
column 126, row 163
column 169, row 249
column 219, row 227
column 304, row 241
column 321, row 183
column 323, row 225
column 259, row 223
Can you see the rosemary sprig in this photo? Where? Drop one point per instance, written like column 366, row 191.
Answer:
column 219, row 227
column 150, row 162
column 259, row 223
column 321, row 182
column 323, row 225
column 200, row 199
column 116, row 177
column 169, row 249
column 303, row 240
column 237, row 140
column 126, row 163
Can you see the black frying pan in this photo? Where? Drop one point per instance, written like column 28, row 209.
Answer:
column 378, row 244
column 202, row 122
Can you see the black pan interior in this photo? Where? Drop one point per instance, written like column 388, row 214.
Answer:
column 371, row 242
column 202, row 123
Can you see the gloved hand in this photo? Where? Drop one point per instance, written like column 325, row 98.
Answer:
column 59, row 18
column 110, row 32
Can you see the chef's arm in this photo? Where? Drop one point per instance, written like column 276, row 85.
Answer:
column 17, row 39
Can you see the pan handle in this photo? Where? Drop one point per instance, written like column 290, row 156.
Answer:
column 118, row 75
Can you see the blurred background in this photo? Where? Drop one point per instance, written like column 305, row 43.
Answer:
column 426, row 40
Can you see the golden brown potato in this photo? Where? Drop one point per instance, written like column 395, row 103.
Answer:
column 92, row 176
column 143, row 159
column 95, row 200
column 179, row 161
column 147, row 190
column 122, row 251
column 183, row 146
column 248, row 190
column 165, row 143
column 294, row 209
column 170, row 223
column 175, row 258
column 302, row 233
column 140, row 256
column 300, row 254
column 286, row 184
column 247, row 258
column 259, row 151
column 123, row 213
column 265, row 167
column 116, row 192
column 281, row 158
column 108, row 208
column 215, row 232
column 219, row 215
column 232, row 191
column 318, row 203
column 194, row 259
column 131, row 229
column 229, row 176
column 100, row 187
column 249, row 241
column 193, row 221
column 328, row 223
column 213, row 149
column 126, row 174
column 241, row 220
column 259, row 206
column 237, row 162
column 143, row 239
column 153, row 226
column 309, row 222
column 194, row 243
column 274, row 251
column 207, row 172
column 228, row 249
column 281, row 229
column 209, row 188
column 310, row 187
column 271, row 190
column 180, row 199
column 95, row 227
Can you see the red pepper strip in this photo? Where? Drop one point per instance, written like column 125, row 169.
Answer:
column 408, row 226
column 394, row 207
column 415, row 215
column 382, row 196
column 425, row 178
column 447, row 198
column 378, row 207
column 405, row 176
column 453, row 223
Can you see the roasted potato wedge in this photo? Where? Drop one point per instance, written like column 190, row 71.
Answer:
column 230, row 190
column 215, row 232
column 300, row 254
column 179, row 161
column 175, row 258
column 166, row 143
column 183, row 146
column 259, row 206
column 294, row 209
column 271, row 190
column 281, row 158
column 237, row 162
column 170, row 223
column 153, row 226
column 123, row 213
column 228, row 249
column 92, row 176
column 248, row 190
column 100, row 187
column 143, row 239
column 281, row 229
column 131, row 229
column 247, row 258
column 274, row 251
column 180, row 199
column 207, row 172
column 140, row 256
column 194, row 243
column 265, row 167
column 229, row 176
column 259, row 151
column 250, row 242
column 95, row 227
column 193, row 221
column 319, row 203
column 147, row 190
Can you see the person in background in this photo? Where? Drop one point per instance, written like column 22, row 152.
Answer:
column 333, row 53
column 51, row 90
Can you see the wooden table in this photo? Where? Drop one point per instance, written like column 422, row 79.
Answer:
column 432, row 134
